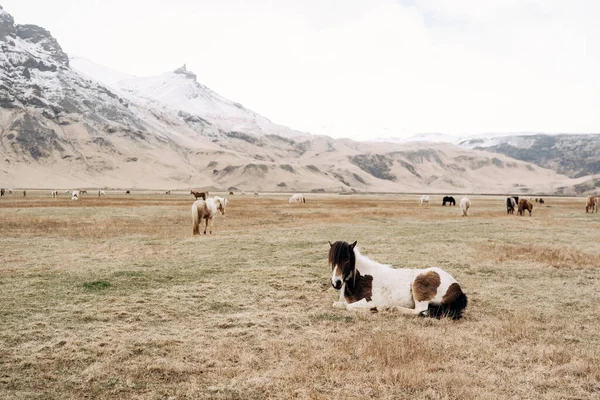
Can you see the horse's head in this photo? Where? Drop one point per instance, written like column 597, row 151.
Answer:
column 343, row 263
column 221, row 203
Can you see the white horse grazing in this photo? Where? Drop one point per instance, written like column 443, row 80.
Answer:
column 465, row 204
column 297, row 198
column 67, row 192
column 101, row 193
column 365, row 284
column 424, row 199
column 206, row 210
column 54, row 194
column 75, row 195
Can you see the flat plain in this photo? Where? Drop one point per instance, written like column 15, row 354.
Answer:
column 113, row 298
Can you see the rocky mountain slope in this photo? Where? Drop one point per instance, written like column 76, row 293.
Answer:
column 72, row 123
column 577, row 156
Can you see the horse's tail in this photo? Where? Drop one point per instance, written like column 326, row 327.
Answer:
column 452, row 309
column 195, row 220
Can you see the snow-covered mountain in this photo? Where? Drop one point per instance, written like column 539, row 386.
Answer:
column 72, row 123
column 179, row 91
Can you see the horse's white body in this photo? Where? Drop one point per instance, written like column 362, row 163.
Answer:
column 424, row 199
column 75, row 195
column 54, row 193
column 392, row 288
column 297, row 198
column 465, row 204
column 207, row 210
column 101, row 193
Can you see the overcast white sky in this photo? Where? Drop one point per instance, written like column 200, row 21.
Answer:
column 357, row 68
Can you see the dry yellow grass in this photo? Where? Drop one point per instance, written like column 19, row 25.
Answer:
column 113, row 298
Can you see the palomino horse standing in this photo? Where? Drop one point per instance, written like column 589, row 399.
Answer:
column 424, row 199
column 199, row 194
column 206, row 210
column 591, row 204
column 524, row 204
column 465, row 204
column 365, row 284
column 297, row 198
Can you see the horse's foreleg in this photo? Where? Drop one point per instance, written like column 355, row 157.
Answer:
column 205, row 224
column 361, row 305
column 420, row 308
column 341, row 303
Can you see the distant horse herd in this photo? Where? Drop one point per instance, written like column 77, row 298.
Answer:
column 365, row 284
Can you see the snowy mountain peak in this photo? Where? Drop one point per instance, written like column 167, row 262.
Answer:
column 7, row 24
column 188, row 74
column 37, row 35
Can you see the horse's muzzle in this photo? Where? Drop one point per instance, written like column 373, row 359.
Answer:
column 337, row 285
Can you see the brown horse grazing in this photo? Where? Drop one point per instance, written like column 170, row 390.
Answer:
column 591, row 204
column 231, row 193
column 1, row 192
column 24, row 193
column 128, row 192
column 199, row 194
column 168, row 192
column 525, row 204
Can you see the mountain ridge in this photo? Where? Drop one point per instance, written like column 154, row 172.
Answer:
column 62, row 127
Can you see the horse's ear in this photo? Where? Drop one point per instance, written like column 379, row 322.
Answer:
column 353, row 244
column 330, row 244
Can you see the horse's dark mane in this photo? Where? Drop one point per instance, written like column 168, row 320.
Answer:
column 340, row 253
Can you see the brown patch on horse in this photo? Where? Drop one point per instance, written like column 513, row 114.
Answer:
column 452, row 293
column 358, row 288
column 425, row 286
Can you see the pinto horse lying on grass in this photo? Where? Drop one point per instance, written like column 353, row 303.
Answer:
column 365, row 284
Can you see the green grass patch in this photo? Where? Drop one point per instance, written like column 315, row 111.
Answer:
column 97, row 285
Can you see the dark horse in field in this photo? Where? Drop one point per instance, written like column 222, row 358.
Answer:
column 199, row 194
column 511, row 204
column 448, row 199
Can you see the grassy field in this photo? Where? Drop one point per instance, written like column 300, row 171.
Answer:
column 112, row 298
